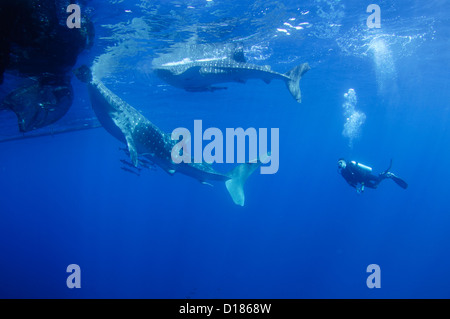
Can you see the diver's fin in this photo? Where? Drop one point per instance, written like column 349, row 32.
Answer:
column 400, row 182
column 293, row 83
column 238, row 176
column 390, row 166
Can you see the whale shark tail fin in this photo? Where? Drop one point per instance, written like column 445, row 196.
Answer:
column 238, row 176
column 293, row 83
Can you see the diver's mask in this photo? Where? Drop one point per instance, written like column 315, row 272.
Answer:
column 341, row 165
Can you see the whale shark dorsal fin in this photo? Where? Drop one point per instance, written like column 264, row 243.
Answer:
column 238, row 56
column 132, row 150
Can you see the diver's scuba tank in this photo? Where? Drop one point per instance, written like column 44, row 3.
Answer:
column 364, row 168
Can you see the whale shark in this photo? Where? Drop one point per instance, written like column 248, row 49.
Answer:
column 200, row 75
column 145, row 139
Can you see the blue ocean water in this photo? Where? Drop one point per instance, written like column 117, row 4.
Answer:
column 303, row 232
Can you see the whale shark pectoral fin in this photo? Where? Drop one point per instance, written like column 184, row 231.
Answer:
column 120, row 123
column 199, row 89
column 205, row 88
column 216, row 88
column 189, row 73
column 205, row 183
column 169, row 171
column 132, row 149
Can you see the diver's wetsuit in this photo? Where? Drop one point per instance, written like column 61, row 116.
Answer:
column 355, row 176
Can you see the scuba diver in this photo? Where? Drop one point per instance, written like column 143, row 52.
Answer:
column 360, row 176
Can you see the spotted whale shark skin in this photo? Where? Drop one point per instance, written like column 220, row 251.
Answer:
column 143, row 138
column 200, row 75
